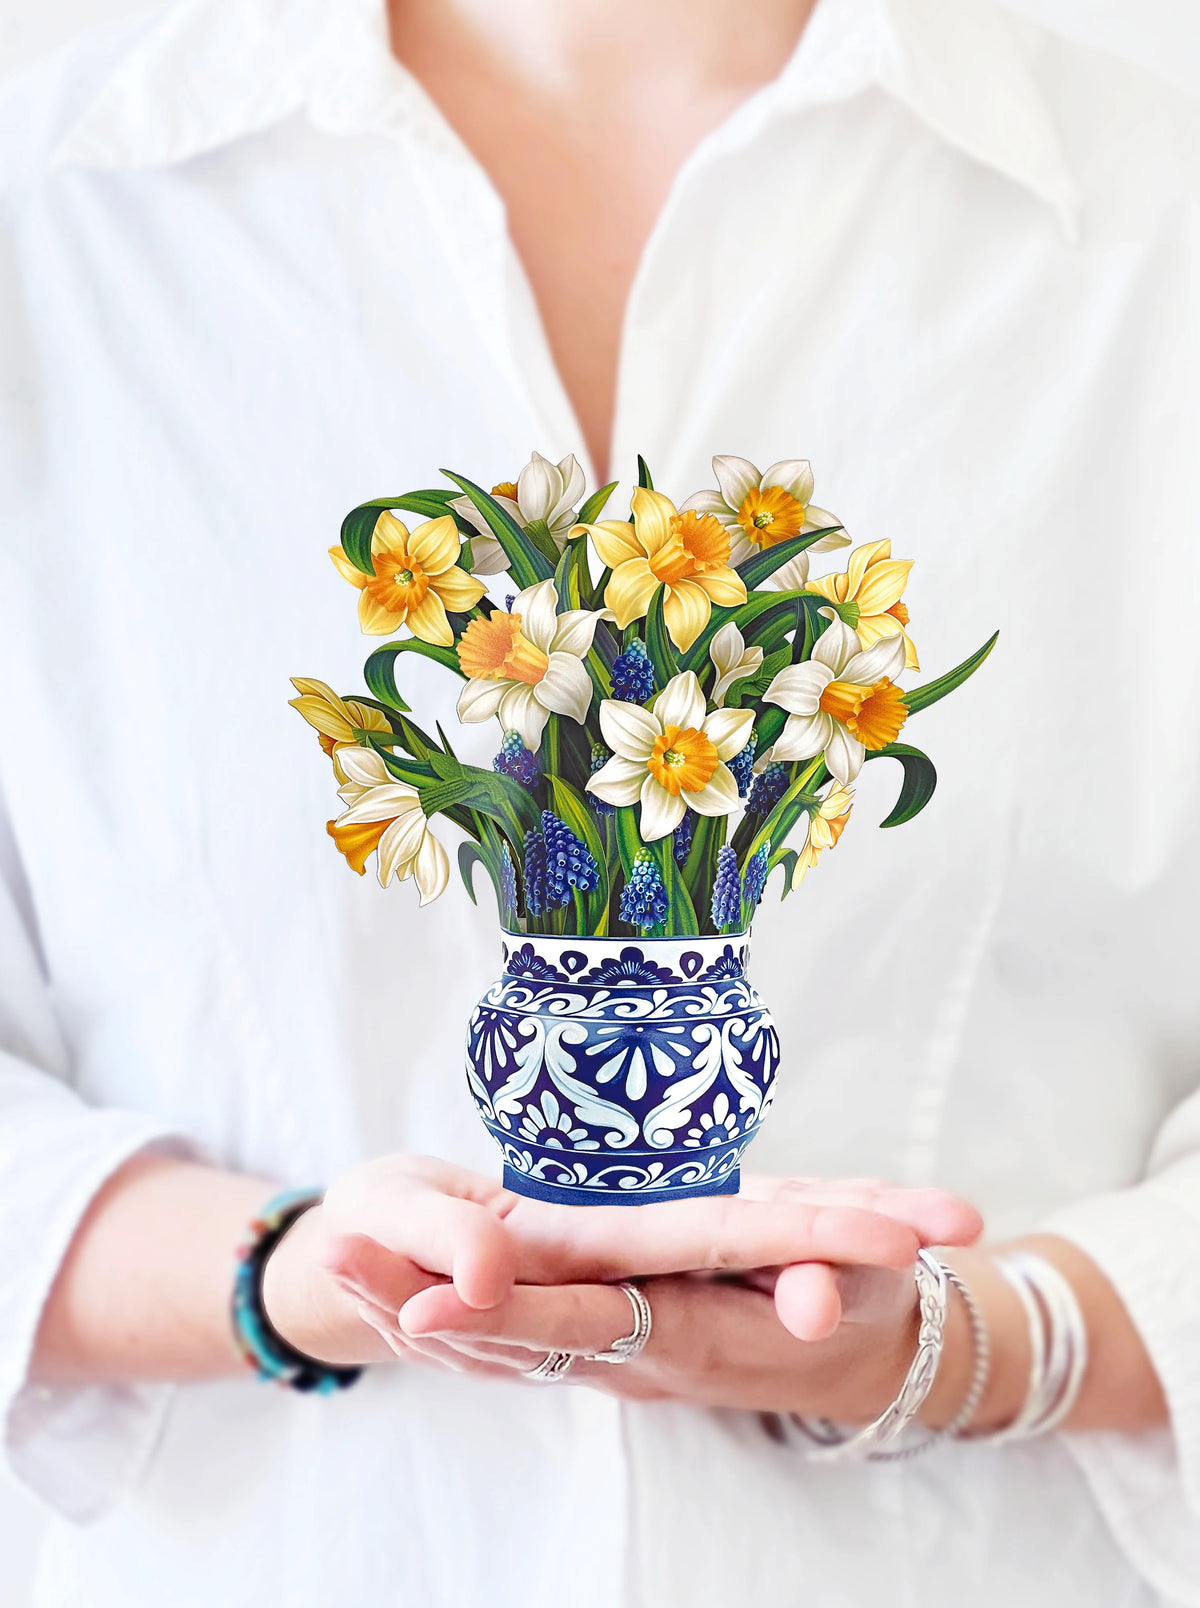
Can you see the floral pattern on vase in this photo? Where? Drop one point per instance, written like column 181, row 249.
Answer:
column 611, row 1070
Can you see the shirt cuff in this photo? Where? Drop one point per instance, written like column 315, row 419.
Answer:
column 78, row 1448
column 1147, row 1243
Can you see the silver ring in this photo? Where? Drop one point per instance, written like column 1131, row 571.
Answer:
column 551, row 1368
column 630, row 1345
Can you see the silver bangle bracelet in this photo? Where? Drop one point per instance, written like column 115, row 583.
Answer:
column 1058, row 1345
column 982, row 1365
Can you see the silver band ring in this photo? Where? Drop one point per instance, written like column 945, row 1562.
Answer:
column 633, row 1344
column 551, row 1368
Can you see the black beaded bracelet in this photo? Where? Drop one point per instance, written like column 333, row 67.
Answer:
column 266, row 1351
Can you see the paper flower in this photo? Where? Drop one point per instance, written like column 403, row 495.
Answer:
column 671, row 756
column 825, row 827
column 875, row 581
column 841, row 702
column 768, row 788
column 542, row 500
column 515, row 760
column 755, row 879
column 386, row 816
column 526, row 665
column 337, row 720
column 633, row 674
column 727, row 889
column 686, row 555
column 732, row 659
column 759, row 511
column 644, row 898
column 742, row 766
column 416, row 579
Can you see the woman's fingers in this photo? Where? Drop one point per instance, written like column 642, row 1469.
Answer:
column 937, row 1217
column 808, row 1300
column 568, row 1317
column 442, row 1218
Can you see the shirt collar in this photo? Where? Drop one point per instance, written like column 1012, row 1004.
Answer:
column 212, row 71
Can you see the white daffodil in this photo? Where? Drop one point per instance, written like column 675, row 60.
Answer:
column 759, row 511
column 527, row 665
column 671, row 756
column 386, row 815
column 544, row 496
column 841, row 702
column 732, row 658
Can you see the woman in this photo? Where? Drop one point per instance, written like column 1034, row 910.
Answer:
column 267, row 259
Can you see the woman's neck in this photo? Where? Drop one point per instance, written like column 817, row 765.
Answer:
column 582, row 112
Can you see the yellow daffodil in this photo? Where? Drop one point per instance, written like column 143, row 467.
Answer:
column 875, row 581
column 686, row 554
column 825, row 827
column 385, row 816
column 841, row 703
column 671, row 757
column 337, row 720
column 544, row 495
column 760, row 511
column 528, row 664
column 416, row 579
column 732, row 659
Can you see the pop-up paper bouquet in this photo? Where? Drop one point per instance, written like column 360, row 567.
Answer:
column 681, row 713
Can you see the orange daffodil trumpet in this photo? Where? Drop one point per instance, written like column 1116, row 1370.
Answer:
column 760, row 511
column 416, row 581
column 527, row 664
column 620, row 795
column 671, row 757
column 875, row 581
column 841, row 703
column 542, row 500
column 684, row 555
column 385, row 818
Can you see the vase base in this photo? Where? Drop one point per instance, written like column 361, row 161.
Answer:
column 563, row 1195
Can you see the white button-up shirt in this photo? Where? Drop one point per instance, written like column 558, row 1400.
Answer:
column 252, row 278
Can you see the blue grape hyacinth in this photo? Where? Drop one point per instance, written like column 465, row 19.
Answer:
column 600, row 758
column 535, row 873
column 644, row 899
column 569, row 863
column 727, row 889
column 633, row 674
column 756, row 876
column 508, row 885
column 515, row 760
column 681, row 843
column 742, row 766
column 769, row 787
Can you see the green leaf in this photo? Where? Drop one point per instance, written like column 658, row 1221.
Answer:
column 681, row 913
column 795, row 802
column 920, row 779
column 756, row 569
column 594, row 506
column 753, row 687
column 359, row 524
column 782, row 604
column 469, row 857
column 526, row 562
column 571, row 808
column 379, row 672
column 921, row 697
column 658, row 642
column 788, row 860
column 644, row 474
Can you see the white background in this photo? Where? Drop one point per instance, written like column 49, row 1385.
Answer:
column 1163, row 35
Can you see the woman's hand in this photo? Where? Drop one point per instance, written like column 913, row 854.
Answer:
column 402, row 1227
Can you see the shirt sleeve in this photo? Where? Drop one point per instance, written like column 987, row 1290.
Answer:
column 1146, row 1240
column 77, row 1448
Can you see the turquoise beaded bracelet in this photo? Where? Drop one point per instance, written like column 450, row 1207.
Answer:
column 266, row 1351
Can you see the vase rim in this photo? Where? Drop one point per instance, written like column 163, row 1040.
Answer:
column 610, row 938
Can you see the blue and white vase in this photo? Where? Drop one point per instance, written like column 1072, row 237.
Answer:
column 622, row 1070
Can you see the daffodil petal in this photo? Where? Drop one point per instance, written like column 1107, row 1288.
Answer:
column 431, row 870
column 803, row 737
column 843, row 754
column 820, row 519
column 457, row 590
column 348, row 571
column 798, row 687
column 618, row 781
column 628, row 729
column 741, row 547
column 687, row 609
column 521, row 712
column 574, row 485
column 681, row 703
column 400, row 845
column 883, row 585
column 886, row 658
column 323, row 714
column 538, row 607
column 574, row 631
column 729, row 730
column 487, row 555
column 630, row 588
column 794, row 475
column 365, row 768
column 707, row 502
column 539, row 487
column 566, row 687
column 434, row 544
column 385, row 803
column 428, row 621
column 726, row 648
column 718, row 796
column 834, row 587
column 661, row 811
column 468, row 510
column 723, row 586
column 836, row 645
column 652, row 516
column 390, row 534
column 860, row 561
column 375, row 619
column 479, row 700
column 736, row 477
column 614, row 541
